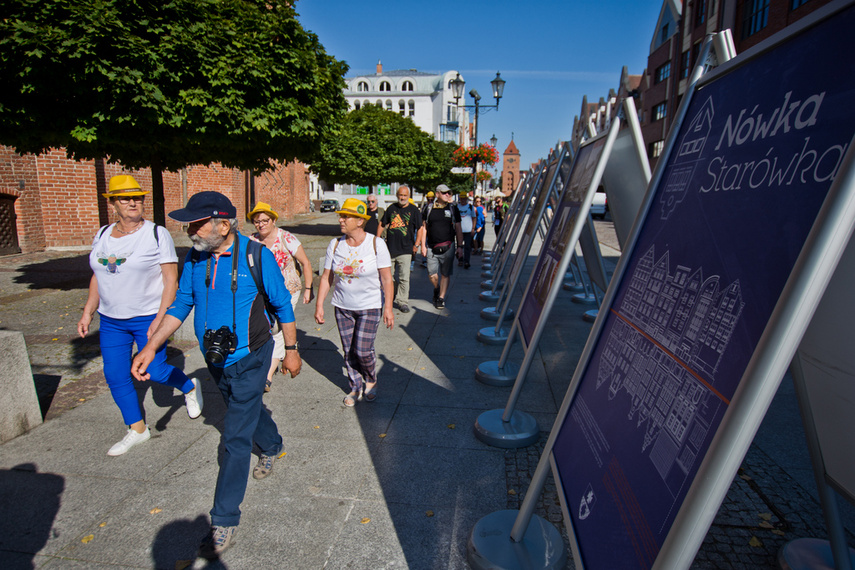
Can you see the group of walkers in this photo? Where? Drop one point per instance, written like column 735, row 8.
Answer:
column 244, row 308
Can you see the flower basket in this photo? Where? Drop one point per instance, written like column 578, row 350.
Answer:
column 482, row 153
column 483, row 175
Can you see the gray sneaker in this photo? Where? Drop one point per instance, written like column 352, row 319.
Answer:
column 217, row 541
column 263, row 467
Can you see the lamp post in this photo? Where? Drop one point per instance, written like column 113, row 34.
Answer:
column 498, row 85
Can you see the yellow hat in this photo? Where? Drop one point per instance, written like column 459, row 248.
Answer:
column 430, row 195
column 262, row 207
column 354, row 207
column 464, row 194
column 124, row 185
column 413, row 202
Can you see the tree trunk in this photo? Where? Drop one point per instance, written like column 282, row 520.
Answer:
column 157, row 199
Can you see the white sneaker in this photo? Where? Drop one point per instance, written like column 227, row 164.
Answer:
column 131, row 439
column 193, row 400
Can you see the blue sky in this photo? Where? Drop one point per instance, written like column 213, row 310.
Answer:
column 550, row 52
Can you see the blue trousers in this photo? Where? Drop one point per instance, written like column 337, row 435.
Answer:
column 117, row 341
column 242, row 386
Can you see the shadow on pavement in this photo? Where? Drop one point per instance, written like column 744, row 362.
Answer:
column 34, row 498
column 60, row 273
column 330, row 228
column 176, row 544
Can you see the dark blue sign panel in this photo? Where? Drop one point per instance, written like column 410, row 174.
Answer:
column 560, row 230
column 752, row 163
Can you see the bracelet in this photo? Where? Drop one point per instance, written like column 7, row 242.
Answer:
column 308, row 288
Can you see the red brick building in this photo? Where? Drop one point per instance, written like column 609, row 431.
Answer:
column 51, row 202
column 676, row 45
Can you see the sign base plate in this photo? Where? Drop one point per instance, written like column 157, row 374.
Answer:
column 488, row 335
column 521, row 431
column 490, row 544
column 809, row 554
column 491, row 374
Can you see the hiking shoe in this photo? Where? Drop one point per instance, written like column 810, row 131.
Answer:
column 466, row 266
column 440, row 303
column 404, row 308
column 131, row 439
column 217, row 541
column 193, row 400
column 263, row 467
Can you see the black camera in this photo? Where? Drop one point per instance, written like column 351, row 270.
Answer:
column 219, row 344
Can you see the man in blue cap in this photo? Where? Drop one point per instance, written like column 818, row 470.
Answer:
column 234, row 334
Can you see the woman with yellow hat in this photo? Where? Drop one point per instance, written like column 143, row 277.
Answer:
column 358, row 268
column 289, row 254
column 134, row 280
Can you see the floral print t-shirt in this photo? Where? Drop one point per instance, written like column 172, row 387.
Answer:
column 284, row 250
column 356, row 270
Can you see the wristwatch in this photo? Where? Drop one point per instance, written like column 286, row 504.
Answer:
column 291, row 346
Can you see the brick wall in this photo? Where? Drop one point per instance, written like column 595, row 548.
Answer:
column 59, row 202
column 18, row 177
column 286, row 189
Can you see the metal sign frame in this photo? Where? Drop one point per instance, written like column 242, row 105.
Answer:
column 804, row 283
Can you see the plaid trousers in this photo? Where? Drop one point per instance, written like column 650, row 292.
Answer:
column 357, row 330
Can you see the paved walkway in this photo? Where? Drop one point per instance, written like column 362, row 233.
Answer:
column 395, row 484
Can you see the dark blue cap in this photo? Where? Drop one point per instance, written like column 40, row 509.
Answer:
column 204, row 205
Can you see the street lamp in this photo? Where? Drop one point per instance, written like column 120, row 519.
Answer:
column 498, row 85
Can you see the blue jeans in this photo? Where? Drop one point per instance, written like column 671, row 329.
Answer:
column 242, row 386
column 117, row 337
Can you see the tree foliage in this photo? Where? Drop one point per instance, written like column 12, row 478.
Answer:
column 376, row 146
column 166, row 84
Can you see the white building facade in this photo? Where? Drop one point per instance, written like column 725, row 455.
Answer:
column 426, row 98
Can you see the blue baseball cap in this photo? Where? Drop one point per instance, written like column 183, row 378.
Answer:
column 204, row 205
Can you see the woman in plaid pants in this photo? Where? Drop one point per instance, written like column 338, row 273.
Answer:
column 357, row 267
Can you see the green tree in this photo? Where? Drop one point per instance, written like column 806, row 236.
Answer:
column 166, row 84
column 376, row 146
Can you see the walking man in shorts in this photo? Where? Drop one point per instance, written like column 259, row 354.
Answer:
column 440, row 232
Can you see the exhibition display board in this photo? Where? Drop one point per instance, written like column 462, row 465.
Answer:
column 537, row 223
column 729, row 257
column 563, row 234
column 627, row 175
column 514, row 218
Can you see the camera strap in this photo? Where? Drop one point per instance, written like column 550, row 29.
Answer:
column 235, row 252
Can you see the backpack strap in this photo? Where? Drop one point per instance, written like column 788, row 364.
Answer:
column 339, row 240
column 253, row 260
column 156, row 236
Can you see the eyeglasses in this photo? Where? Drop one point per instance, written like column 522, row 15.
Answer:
column 260, row 222
column 126, row 199
column 445, row 193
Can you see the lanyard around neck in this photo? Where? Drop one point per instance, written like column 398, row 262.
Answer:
column 235, row 251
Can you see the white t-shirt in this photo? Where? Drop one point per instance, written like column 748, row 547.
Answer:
column 357, row 277
column 467, row 217
column 130, row 282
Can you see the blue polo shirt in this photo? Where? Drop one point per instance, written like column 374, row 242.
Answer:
column 214, row 304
